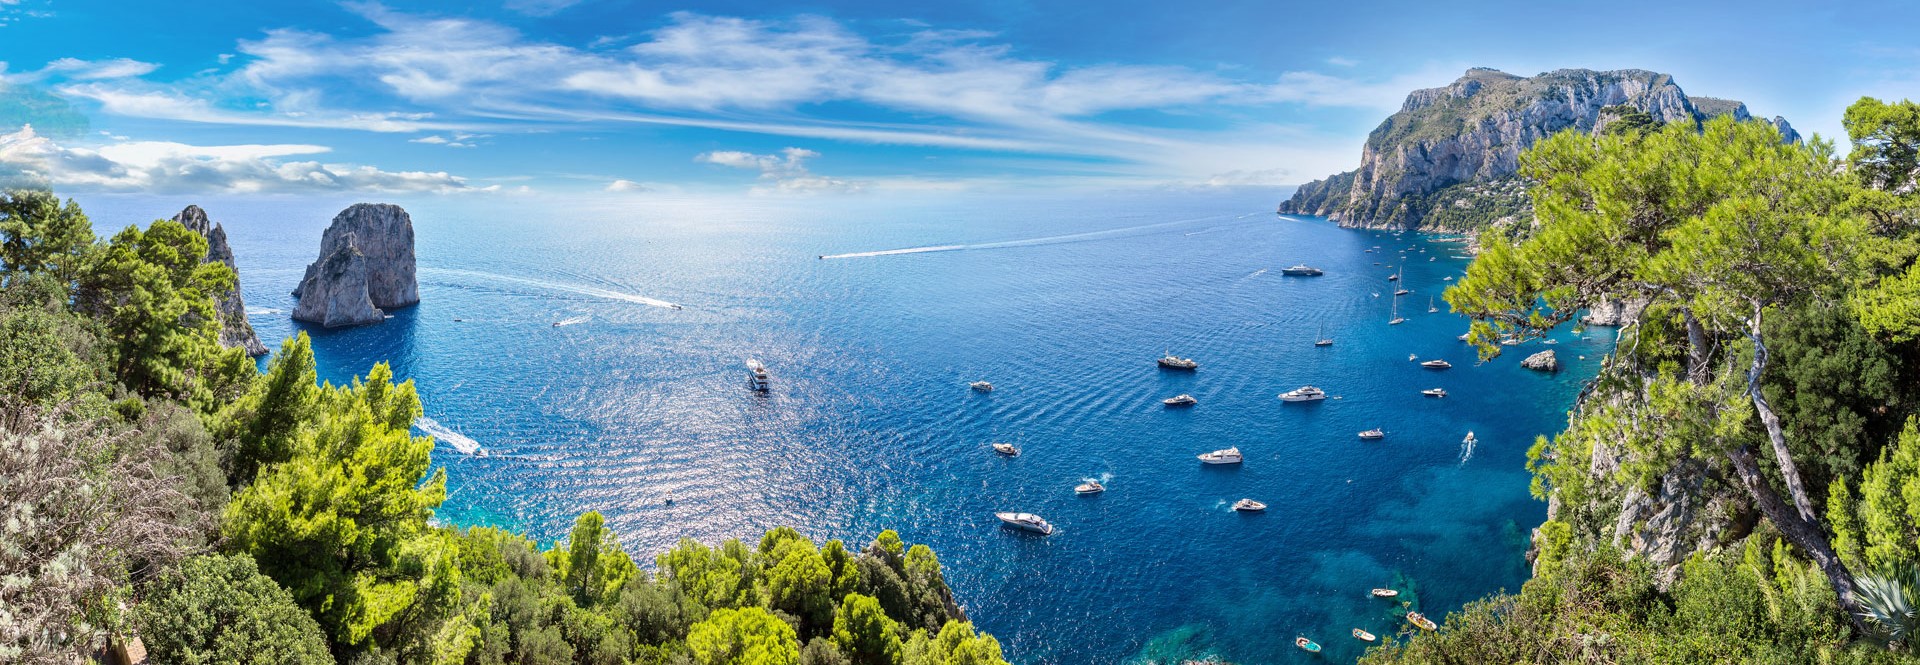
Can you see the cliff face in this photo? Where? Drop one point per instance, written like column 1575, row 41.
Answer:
column 235, row 331
column 366, row 266
column 1425, row 166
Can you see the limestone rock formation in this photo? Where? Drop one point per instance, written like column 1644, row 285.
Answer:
column 235, row 331
column 1544, row 361
column 366, row 266
column 1447, row 160
column 1614, row 313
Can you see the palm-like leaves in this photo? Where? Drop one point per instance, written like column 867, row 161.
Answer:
column 1888, row 600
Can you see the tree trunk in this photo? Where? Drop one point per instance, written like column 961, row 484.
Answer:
column 1804, row 534
column 1697, row 350
column 1784, row 457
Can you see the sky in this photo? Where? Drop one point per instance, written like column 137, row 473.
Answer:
column 623, row 98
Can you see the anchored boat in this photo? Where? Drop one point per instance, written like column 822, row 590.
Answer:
column 1306, row 645
column 1006, row 449
column 1362, row 635
column 1434, row 392
column 1249, row 506
column 1223, row 456
column 1302, row 270
column 1436, row 364
column 1089, row 487
column 1171, row 361
column 1179, row 400
column 1026, row 522
column 981, row 386
column 757, row 377
column 1419, row 620
column 1374, row 433
column 1303, row 394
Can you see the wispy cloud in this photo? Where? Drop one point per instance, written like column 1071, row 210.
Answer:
column 784, row 173
column 166, row 167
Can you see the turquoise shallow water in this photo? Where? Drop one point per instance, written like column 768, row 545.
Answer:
column 1063, row 304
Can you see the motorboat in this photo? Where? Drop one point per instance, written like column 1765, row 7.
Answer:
column 1026, row 522
column 1412, row 357
column 1224, row 456
column 1089, row 487
column 1437, row 364
column 1402, row 292
column 1302, row 270
column 1179, row 400
column 1463, row 336
column 1363, row 636
column 757, row 377
column 1249, row 506
column 1375, row 433
column 1469, row 439
column 1385, row 593
column 981, row 386
column 1393, row 277
column 1306, row 645
column 1303, row 394
column 1434, row 392
column 1006, row 449
column 1420, row 620
column 1171, row 361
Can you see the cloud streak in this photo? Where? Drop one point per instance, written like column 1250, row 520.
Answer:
column 784, row 173
column 165, row 167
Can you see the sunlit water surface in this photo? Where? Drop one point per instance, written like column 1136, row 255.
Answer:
column 1062, row 303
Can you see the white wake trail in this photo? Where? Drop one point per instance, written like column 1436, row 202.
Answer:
column 1086, row 236
column 593, row 291
column 446, row 435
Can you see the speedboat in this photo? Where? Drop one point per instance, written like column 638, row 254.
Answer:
column 1436, row 364
column 1089, row 487
column 1224, row 456
column 1463, row 336
column 1026, row 522
column 1385, row 593
column 1302, row 270
column 1249, row 506
column 1372, row 434
column 757, row 377
column 1179, row 400
column 1419, row 620
column 1434, row 392
column 1362, row 635
column 1469, row 438
column 1171, row 361
column 981, row 386
column 1306, row 645
column 1303, row 394
column 1006, row 449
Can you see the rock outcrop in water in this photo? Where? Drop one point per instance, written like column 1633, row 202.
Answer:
column 1544, row 361
column 235, row 331
column 366, row 267
column 1447, row 160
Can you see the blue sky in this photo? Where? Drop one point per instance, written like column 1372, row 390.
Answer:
column 650, row 99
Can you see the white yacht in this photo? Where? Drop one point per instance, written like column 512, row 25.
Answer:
column 1302, row 270
column 1434, row 392
column 1227, row 456
column 1375, row 433
column 1303, row 394
column 757, row 377
column 1089, row 487
column 1171, row 361
column 1249, row 506
column 1179, row 400
column 1006, row 449
column 1026, row 522
column 981, row 386
column 1436, row 364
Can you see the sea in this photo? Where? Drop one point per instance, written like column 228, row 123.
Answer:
column 595, row 351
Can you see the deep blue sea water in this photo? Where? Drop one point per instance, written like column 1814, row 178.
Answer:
column 1063, row 303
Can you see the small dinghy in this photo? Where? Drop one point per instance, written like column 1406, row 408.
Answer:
column 1089, row 487
column 1006, row 449
column 1223, row 456
column 1434, row 392
column 1249, row 506
column 1385, row 593
column 1375, row 433
column 1363, row 636
column 1420, row 620
column 1306, row 645
column 1179, row 400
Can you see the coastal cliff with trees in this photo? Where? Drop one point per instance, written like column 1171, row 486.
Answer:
column 1739, row 483
column 155, row 484
column 1449, row 160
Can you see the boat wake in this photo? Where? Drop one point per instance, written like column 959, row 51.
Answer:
column 573, row 321
column 446, row 435
column 580, row 289
column 1466, row 449
column 1089, row 236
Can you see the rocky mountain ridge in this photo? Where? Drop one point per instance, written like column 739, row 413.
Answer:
column 1447, row 161
column 235, row 331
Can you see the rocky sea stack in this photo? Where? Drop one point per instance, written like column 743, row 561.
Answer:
column 1447, row 160
column 366, row 267
column 1544, row 361
column 235, row 331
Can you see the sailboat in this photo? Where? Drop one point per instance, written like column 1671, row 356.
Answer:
column 1322, row 339
column 1396, row 320
column 1430, row 308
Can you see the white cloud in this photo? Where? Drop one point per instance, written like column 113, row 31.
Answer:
column 1255, row 178
column 623, row 185
column 86, row 70
column 540, row 7
column 1338, row 61
column 456, row 140
column 166, row 167
column 784, row 173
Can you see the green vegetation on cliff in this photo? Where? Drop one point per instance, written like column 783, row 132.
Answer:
column 1737, row 485
column 156, row 484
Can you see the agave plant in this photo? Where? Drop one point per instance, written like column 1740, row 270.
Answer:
column 1890, row 603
